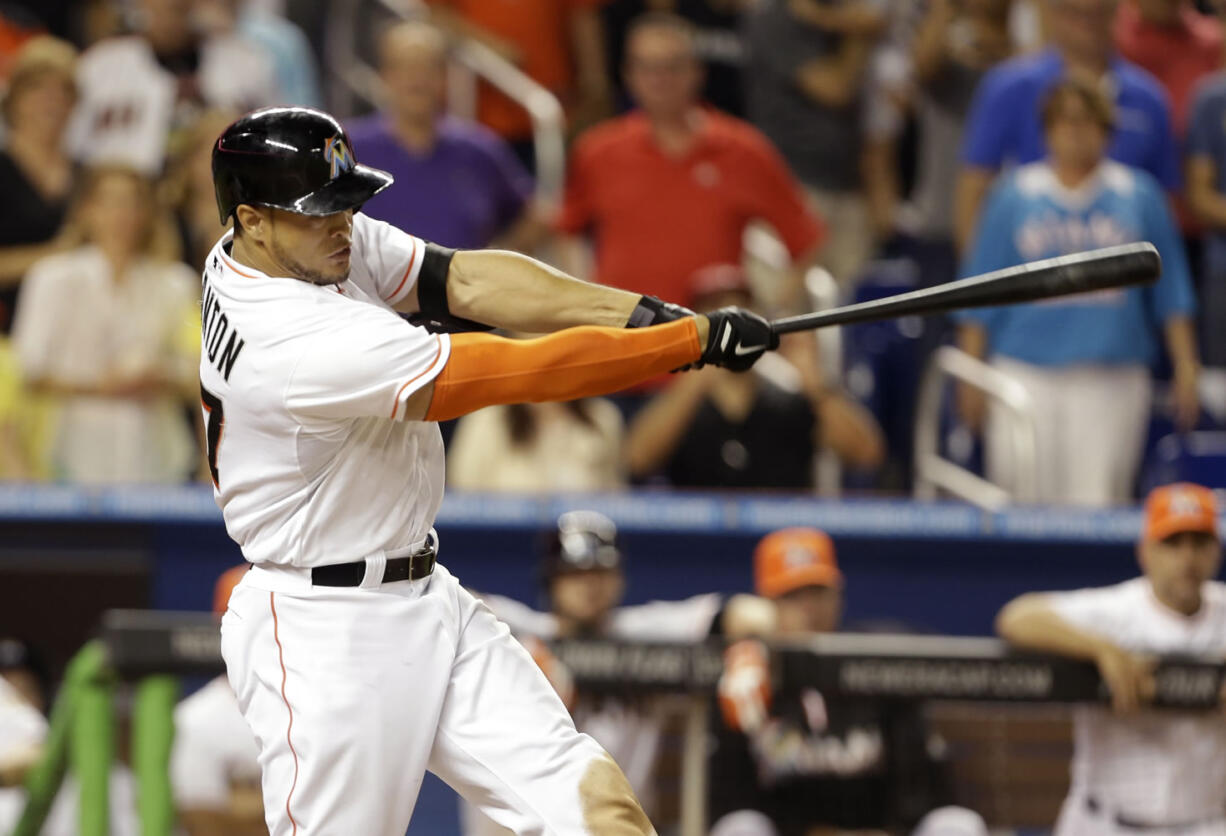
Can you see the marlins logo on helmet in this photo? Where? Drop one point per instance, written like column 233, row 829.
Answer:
column 338, row 155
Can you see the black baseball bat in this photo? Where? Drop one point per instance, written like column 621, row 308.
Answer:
column 1121, row 266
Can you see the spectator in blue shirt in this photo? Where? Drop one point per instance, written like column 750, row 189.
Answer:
column 1206, row 158
column 1084, row 360
column 1004, row 129
column 457, row 183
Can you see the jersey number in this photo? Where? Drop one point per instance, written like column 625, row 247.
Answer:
column 215, row 422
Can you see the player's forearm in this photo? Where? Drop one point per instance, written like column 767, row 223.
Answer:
column 513, row 291
column 1028, row 622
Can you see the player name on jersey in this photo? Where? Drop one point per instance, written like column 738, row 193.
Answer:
column 216, row 331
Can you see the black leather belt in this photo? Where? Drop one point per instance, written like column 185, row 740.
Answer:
column 418, row 565
column 1126, row 823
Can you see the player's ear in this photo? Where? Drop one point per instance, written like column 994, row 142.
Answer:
column 1143, row 549
column 252, row 221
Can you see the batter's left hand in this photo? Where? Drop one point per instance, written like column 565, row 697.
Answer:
column 737, row 338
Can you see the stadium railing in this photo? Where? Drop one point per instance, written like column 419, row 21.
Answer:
column 935, row 473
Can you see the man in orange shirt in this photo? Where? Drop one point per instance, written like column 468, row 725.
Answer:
column 669, row 189
column 557, row 43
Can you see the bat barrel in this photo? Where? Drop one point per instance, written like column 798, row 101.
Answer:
column 1111, row 267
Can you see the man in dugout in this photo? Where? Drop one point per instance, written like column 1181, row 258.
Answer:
column 800, row 762
column 1137, row 771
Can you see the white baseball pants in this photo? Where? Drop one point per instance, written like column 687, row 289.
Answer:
column 1090, row 425
column 353, row 693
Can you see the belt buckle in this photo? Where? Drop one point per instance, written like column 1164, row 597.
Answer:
column 419, row 560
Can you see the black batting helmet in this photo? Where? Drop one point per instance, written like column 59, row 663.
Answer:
column 582, row 540
column 291, row 158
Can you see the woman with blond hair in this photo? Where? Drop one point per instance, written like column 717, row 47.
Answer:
column 107, row 329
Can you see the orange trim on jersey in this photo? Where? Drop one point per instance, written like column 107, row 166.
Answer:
column 438, row 344
column 233, row 265
column 272, row 604
column 407, row 270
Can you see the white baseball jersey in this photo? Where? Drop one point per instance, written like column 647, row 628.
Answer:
column 128, row 101
column 1159, row 767
column 299, row 382
column 214, row 749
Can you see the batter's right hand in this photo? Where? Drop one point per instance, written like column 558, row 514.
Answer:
column 737, row 338
column 1129, row 678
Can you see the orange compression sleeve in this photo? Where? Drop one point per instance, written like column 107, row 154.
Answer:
column 485, row 370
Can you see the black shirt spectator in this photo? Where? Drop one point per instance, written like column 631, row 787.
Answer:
column 772, row 446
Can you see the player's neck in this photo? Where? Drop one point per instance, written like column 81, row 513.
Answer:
column 250, row 254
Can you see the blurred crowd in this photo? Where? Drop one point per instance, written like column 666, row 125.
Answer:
column 892, row 145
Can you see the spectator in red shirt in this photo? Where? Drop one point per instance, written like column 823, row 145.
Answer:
column 670, row 188
column 1175, row 42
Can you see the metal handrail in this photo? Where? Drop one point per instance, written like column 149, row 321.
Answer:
column 934, row 472
column 354, row 79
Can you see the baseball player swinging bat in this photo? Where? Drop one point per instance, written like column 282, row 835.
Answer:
column 1110, row 267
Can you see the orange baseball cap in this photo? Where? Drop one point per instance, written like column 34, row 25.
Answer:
column 1173, row 509
column 794, row 557
column 225, row 585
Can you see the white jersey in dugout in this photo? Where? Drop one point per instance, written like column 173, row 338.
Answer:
column 303, row 388
column 1160, row 767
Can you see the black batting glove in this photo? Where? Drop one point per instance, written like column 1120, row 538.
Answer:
column 737, row 339
column 652, row 311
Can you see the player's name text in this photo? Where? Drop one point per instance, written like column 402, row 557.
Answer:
column 220, row 340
